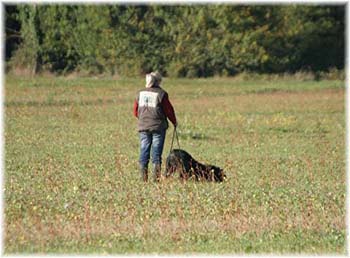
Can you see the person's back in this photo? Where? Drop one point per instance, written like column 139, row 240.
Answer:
column 150, row 113
column 152, row 108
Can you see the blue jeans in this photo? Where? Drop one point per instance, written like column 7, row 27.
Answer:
column 154, row 140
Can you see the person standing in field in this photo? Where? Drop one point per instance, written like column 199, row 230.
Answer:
column 152, row 108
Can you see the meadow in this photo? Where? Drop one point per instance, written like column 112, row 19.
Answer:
column 72, row 184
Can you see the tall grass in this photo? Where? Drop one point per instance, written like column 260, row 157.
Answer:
column 72, row 182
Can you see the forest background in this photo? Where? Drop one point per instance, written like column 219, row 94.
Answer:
column 179, row 41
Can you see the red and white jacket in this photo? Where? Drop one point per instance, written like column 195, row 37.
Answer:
column 152, row 108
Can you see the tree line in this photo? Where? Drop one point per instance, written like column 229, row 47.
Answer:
column 179, row 41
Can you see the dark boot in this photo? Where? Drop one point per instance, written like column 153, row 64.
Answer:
column 156, row 172
column 144, row 174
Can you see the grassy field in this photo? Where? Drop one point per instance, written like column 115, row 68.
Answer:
column 72, row 182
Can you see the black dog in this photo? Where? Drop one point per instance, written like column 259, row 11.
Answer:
column 188, row 167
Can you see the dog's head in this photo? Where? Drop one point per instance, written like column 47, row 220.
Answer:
column 218, row 174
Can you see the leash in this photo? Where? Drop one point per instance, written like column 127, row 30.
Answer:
column 172, row 140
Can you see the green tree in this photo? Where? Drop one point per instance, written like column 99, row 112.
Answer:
column 180, row 41
column 27, row 55
column 57, row 23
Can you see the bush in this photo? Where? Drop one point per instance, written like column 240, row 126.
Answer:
column 333, row 74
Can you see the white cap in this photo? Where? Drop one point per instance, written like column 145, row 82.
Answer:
column 150, row 80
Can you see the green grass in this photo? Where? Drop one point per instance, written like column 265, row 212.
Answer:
column 72, row 182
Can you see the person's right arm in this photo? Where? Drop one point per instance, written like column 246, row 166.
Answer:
column 169, row 110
